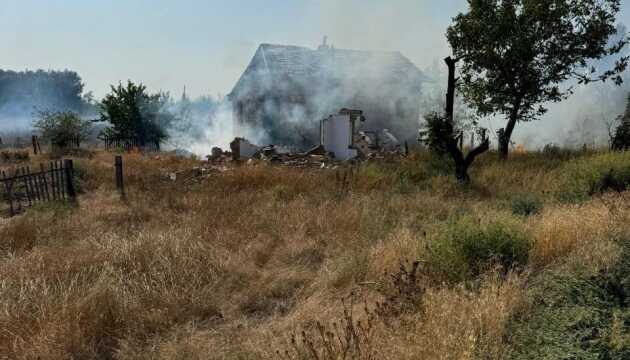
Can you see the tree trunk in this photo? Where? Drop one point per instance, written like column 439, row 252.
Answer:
column 504, row 145
column 450, row 91
column 506, row 133
column 461, row 173
column 461, row 163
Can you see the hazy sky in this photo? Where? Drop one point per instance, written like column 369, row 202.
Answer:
column 206, row 44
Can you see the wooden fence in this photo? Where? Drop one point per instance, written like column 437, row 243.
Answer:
column 26, row 188
column 128, row 144
column 71, row 143
column 21, row 143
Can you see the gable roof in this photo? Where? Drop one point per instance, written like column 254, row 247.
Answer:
column 279, row 66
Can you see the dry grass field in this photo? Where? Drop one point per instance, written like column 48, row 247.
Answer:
column 268, row 262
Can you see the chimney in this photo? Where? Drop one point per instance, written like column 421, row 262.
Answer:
column 324, row 45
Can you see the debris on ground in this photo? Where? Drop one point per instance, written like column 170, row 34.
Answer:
column 378, row 145
column 184, row 153
column 243, row 149
column 341, row 144
column 196, row 174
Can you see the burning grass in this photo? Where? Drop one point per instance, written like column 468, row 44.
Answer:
column 231, row 266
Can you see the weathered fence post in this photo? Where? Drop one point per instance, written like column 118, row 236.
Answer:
column 8, row 188
column 42, row 175
column 69, row 172
column 27, row 191
column 53, row 179
column 118, row 163
column 34, row 140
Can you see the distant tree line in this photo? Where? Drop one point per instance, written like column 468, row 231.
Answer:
column 24, row 92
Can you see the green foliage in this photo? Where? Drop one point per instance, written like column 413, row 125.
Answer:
column 576, row 316
column 583, row 177
column 526, row 204
column 21, row 91
column 466, row 248
column 62, row 129
column 437, row 133
column 135, row 114
column 517, row 54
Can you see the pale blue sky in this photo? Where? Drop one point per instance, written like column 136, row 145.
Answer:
column 205, row 45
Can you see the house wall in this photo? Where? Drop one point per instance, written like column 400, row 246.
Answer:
column 295, row 120
column 337, row 136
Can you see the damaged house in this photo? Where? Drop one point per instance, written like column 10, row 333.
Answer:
column 286, row 91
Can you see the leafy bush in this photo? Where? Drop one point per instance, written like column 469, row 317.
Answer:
column 135, row 114
column 62, row 129
column 526, row 204
column 467, row 248
column 437, row 133
column 581, row 178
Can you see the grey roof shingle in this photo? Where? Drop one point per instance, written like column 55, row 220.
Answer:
column 274, row 64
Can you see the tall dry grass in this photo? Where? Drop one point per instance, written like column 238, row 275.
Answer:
column 228, row 267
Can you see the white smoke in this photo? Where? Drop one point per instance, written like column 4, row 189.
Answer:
column 215, row 128
column 417, row 28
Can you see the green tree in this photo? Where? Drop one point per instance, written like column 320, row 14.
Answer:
column 519, row 54
column 134, row 113
column 62, row 129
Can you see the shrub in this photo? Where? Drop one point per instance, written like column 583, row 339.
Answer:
column 135, row 114
column 526, row 204
column 467, row 248
column 437, row 133
column 581, row 178
column 62, row 129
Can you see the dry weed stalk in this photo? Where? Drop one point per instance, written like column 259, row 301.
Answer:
column 348, row 338
column 344, row 180
column 409, row 286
